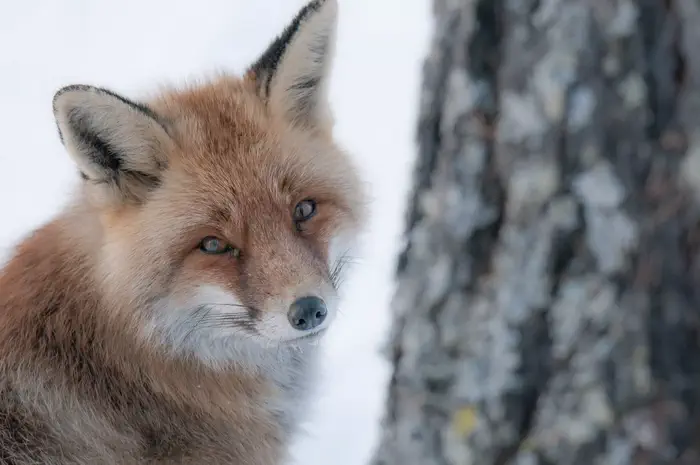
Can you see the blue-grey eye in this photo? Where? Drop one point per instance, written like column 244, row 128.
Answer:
column 215, row 246
column 304, row 210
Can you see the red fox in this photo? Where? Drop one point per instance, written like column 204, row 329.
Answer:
column 170, row 313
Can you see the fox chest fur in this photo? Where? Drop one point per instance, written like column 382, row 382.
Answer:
column 136, row 424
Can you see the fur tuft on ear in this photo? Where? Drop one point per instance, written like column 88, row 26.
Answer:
column 118, row 145
column 292, row 74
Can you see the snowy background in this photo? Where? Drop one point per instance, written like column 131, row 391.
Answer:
column 133, row 45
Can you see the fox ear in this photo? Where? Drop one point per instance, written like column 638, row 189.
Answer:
column 292, row 74
column 118, row 145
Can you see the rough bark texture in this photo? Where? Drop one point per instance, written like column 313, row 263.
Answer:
column 548, row 307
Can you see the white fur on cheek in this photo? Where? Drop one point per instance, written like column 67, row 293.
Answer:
column 192, row 324
column 196, row 326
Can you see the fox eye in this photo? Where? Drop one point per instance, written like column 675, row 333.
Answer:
column 215, row 246
column 304, row 210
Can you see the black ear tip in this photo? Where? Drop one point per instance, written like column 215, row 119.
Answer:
column 313, row 7
column 58, row 95
column 266, row 65
column 104, row 92
column 316, row 4
column 61, row 110
column 70, row 88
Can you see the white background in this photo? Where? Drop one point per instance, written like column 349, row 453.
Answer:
column 131, row 46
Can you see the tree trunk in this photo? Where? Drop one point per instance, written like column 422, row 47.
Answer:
column 548, row 306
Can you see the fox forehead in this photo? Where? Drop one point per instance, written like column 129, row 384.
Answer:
column 212, row 121
column 230, row 148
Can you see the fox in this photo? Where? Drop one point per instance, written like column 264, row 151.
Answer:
column 172, row 311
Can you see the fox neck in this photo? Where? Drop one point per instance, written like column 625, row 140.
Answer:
column 288, row 369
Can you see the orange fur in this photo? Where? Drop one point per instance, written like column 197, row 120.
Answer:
column 97, row 359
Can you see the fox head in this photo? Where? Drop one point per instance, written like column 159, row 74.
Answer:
column 225, row 210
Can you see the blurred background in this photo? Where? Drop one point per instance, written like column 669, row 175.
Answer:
column 132, row 46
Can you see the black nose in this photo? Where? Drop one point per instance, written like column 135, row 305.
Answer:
column 307, row 313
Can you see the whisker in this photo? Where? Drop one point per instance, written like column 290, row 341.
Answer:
column 203, row 318
column 349, row 259
column 212, row 304
column 336, row 272
column 205, row 311
column 222, row 319
column 249, row 308
column 228, row 316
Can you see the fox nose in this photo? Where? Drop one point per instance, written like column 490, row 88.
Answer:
column 307, row 313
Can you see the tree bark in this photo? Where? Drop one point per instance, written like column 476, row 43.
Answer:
column 548, row 300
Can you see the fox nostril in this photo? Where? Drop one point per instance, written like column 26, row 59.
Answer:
column 321, row 313
column 307, row 313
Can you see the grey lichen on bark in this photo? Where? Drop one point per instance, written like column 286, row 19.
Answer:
column 548, row 307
